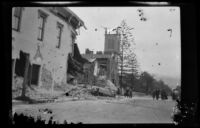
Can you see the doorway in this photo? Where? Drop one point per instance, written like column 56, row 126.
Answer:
column 35, row 74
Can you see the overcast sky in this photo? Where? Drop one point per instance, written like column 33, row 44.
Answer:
column 153, row 42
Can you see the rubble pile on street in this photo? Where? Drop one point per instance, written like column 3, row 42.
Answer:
column 34, row 93
column 104, row 87
column 17, row 86
column 80, row 91
column 101, row 81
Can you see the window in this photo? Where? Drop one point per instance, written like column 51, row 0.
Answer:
column 17, row 18
column 42, row 19
column 60, row 28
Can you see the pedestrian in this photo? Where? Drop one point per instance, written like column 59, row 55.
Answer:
column 157, row 94
column 154, row 94
column 130, row 93
column 163, row 95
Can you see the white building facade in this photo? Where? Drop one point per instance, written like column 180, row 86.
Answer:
column 46, row 35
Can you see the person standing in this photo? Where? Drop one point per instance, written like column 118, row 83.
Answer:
column 163, row 95
column 157, row 94
column 154, row 94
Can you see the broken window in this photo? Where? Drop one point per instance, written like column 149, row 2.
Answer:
column 60, row 29
column 42, row 19
column 17, row 18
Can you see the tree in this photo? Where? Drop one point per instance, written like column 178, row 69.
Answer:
column 132, row 64
column 127, row 58
column 147, row 82
column 165, row 87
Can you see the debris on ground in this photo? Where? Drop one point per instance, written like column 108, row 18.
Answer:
column 36, row 94
column 17, row 87
column 105, row 87
column 80, row 91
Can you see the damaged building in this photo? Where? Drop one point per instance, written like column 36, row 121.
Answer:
column 107, row 62
column 76, row 66
column 43, row 40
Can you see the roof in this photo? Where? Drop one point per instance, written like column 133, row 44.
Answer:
column 95, row 56
column 68, row 15
column 74, row 15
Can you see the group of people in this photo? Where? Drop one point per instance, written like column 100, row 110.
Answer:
column 159, row 94
column 128, row 93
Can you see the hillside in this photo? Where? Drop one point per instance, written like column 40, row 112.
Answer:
column 170, row 81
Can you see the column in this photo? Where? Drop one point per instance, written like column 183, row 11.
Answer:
column 25, row 76
column 13, row 70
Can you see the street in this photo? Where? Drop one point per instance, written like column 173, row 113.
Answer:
column 126, row 110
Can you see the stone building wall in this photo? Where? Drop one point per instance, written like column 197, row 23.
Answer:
column 53, row 65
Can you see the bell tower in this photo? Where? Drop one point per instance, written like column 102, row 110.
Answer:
column 112, row 43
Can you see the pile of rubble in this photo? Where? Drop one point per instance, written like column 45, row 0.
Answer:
column 79, row 91
column 105, row 87
column 17, row 86
column 102, row 87
column 33, row 92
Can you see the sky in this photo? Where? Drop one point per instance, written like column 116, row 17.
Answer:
column 157, row 52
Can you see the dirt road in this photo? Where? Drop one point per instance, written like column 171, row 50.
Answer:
column 135, row 110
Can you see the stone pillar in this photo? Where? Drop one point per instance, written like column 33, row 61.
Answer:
column 24, row 85
column 40, row 77
column 13, row 70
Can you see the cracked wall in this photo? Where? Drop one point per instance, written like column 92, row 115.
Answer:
column 54, row 60
column 46, row 78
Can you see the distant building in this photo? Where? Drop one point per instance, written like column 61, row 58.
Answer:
column 107, row 61
column 42, row 38
column 112, row 43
